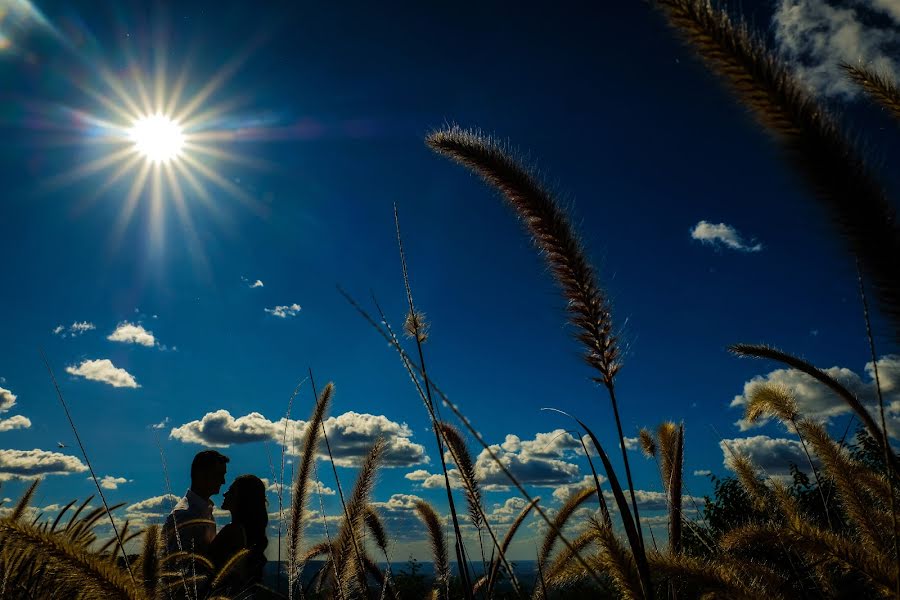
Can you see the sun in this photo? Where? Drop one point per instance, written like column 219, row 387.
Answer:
column 157, row 137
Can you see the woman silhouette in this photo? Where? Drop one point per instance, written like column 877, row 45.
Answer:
column 246, row 499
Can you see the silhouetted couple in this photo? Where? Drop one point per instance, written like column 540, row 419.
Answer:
column 191, row 526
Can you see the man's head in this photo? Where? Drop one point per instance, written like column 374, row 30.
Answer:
column 208, row 473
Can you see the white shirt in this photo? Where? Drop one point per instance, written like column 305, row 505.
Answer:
column 194, row 537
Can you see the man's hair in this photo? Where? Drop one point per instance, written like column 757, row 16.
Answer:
column 206, row 459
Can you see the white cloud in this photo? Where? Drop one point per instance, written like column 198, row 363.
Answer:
column 632, row 443
column 563, row 492
column 219, row 429
column 74, row 330
column 161, row 425
column 28, row 464
column 535, row 462
column 702, row 473
column 722, row 235
column 257, row 284
column 7, row 400
column 103, row 370
column 815, row 36
column 15, row 422
column 816, row 401
column 399, row 517
column 132, row 333
column 351, row 435
column 108, row 482
column 283, row 311
column 156, row 506
column 773, row 455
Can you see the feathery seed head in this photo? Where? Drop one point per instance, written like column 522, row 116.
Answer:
column 771, row 399
column 648, row 443
column 415, row 326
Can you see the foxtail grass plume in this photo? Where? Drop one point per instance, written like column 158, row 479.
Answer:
column 438, row 547
column 647, row 442
column 771, row 400
column 878, row 86
column 302, row 481
column 466, row 468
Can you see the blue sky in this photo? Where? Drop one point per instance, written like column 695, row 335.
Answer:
column 315, row 123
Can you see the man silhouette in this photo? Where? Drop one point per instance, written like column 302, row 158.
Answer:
column 191, row 525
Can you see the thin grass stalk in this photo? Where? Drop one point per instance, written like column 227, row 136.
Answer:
column 674, row 487
column 336, row 478
column 89, row 465
column 619, row 563
column 325, row 527
column 760, row 351
column 887, row 449
column 462, row 563
column 879, row 87
column 630, row 525
column 504, row 546
column 556, row 574
column 59, row 516
column 604, row 510
column 554, row 236
column 280, row 483
column 572, row 503
column 300, row 492
column 810, row 136
column 413, row 370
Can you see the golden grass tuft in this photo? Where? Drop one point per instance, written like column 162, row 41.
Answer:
column 438, row 547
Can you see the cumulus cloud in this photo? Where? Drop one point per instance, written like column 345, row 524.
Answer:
column 351, row 435
column 103, row 370
column 28, row 464
column 15, row 422
column 773, row 455
column 74, row 330
column 562, row 492
column 399, row 517
column 284, row 311
column 702, row 473
column 632, row 443
column 257, row 284
column 219, row 429
column 156, row 506
column 108, row 482
column 7, row 400
column 721, row 235
column 816, row 401
column 537, row 462
column 132, row 333
column 816, row 36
